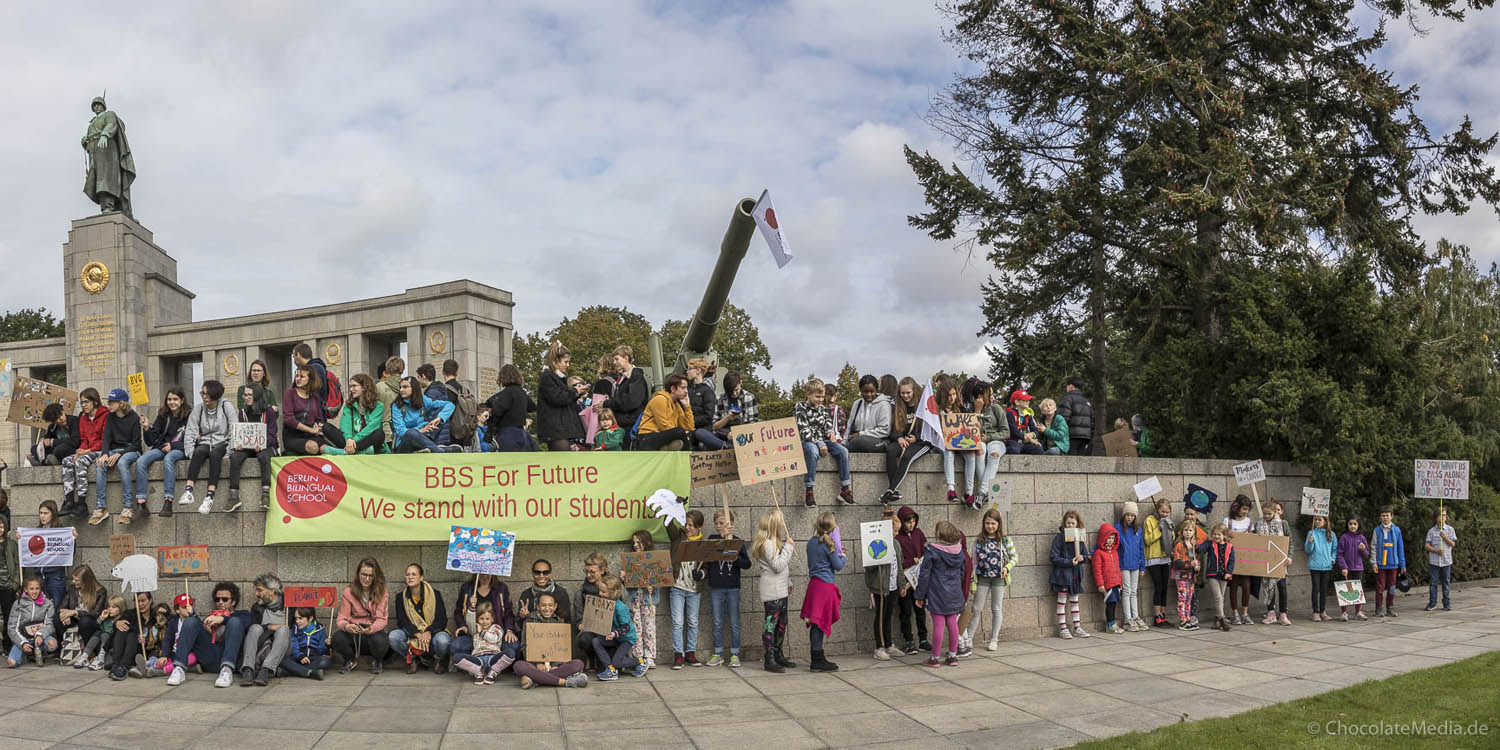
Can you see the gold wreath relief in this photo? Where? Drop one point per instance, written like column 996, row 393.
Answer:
column 95, row 277
column 333, row 353
column 231, row 364
column 437, row 342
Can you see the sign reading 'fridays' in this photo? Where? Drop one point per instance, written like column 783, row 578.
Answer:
column 538, row 497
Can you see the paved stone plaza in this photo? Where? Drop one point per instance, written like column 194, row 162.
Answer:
column 1037, row 693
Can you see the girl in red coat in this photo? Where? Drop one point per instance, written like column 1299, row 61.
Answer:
column 1106, row 565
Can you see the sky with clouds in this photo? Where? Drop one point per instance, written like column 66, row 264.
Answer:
column 294, row 153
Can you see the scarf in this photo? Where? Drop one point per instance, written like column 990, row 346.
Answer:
column 424, row 618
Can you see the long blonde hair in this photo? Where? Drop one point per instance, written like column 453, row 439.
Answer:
column 823, row 530
column 772, row 530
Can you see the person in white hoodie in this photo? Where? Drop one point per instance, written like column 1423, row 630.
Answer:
column 206, row 438
column 869, row 418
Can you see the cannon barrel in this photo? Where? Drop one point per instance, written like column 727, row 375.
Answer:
column 700, row 333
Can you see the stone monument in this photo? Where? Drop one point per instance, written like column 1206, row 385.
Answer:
column 111, row 168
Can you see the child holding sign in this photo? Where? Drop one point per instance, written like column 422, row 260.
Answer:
column 567, row 674
column 643, row 601
column 1273, row 590
column 1440, row 541
column 1354, row 549
column 614, row 647
column 1320, row 547
column 1067, row 573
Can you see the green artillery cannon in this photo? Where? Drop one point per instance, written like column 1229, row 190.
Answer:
column 700, row 334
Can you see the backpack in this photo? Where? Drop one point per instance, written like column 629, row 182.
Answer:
column 465, row 420
column 333, row 399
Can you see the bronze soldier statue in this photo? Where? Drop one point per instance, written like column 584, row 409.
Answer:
column 111, row 168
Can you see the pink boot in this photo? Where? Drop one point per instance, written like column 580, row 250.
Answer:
column 471, row 668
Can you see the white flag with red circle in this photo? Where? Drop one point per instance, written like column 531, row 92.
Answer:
column 770, row 228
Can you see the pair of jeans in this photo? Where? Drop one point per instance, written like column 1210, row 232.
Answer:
column 294, row 665
column 684, row 613
column 237, row 459
column 1385, row 587
column 810, row 452
column 400, row 642
column 415, row 440
column 991, row 590
column 708, row 439
column 193, row 638
column 1129, row 593
column 643, row 614
column 1439, row 575
column 461, row 645
column 981, row 467
column 725, row 603
column 49, row 645
column 613, row 653
column 214, row 455
column 127, row 477
column 169, row 461
column 257, row 634
column 1320, row 590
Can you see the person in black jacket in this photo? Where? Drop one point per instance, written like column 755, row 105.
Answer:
column 59, row 441
column 163, row 442
column 1076, row 408
column 630, row 394
column 506, row 427
column 557, row 422
column 421, row 624
column 120, row 448
column 705, row 405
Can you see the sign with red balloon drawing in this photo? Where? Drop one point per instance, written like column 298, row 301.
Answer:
column 46, row 548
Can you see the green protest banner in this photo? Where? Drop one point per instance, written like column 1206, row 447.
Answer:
column 539, row 497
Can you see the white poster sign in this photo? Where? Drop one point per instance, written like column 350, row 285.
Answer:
column 877, row 543
column 1148, row 489
column 1446, row 480
column 1315, row 502
column 1249, row 472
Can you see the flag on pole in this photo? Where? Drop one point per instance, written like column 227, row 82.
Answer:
column 927, row 414
column 770, row 228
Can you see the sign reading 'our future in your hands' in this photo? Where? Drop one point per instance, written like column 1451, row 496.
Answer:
column 768, row 450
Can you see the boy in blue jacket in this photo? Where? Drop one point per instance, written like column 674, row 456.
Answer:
column 724, row 593
column 1390, row 558
column 308, row 656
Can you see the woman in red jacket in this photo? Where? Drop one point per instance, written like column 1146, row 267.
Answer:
column 75, row 468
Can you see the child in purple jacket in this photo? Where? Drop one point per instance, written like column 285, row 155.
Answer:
column 1354, row 549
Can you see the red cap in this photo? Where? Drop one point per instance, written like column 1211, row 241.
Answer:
column 1019, row 394
column 182, row 600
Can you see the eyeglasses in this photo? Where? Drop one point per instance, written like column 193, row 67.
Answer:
column 541, row 572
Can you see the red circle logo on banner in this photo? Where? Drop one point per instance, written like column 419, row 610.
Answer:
column 771, row 218
column 310, row 487
column 36, row 544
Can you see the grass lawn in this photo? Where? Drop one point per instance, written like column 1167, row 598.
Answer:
column 1460, row 693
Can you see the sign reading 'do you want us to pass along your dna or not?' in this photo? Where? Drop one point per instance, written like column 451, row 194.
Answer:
column 768, row 450
column 564, row 496
column 1446, row 480
column 1249, row 472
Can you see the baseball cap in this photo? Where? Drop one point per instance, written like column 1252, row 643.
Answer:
column 182, row 600
column 118, row 394
column 1019, row 394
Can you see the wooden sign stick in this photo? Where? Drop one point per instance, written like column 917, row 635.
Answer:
column 723, row 493
column 773, row 495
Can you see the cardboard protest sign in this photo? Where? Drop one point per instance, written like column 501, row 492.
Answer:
column 912, row 575
column 475, row 550
column 999, row 497
column 121, row 546
column 6, row 377
column 650, row 568
column 247, row 436
column 182, row 561
column 1147, row 489
column 1315, row 502
column 1261, row 555
column 1249, row 472
column 310, row 596
column 598, row 615
column 137, row 385
column 960, row 431
column 1349, row 592
column 767, row 450
column 877, row 543
column 1445, row 480
column 549, row 642
column 137, row 573
column 1119, row 444
column 713, row 467
column 29, row 397
column 712, row 550
column 45, row 548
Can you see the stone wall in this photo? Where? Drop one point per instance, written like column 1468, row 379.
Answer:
column 1043, row 487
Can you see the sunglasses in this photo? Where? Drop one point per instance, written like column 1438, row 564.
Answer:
column 541, row 572
column 223, row 598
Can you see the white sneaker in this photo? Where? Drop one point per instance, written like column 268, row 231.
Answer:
column 881, row 655
column 177, row 677
column 207, row 505
column 994, row 645
column 226, row 677
column 187, row 497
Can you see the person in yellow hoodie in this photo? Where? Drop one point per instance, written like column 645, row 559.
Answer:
column 668, row 418
column 1159, row 533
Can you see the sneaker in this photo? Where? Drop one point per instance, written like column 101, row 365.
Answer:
column 576, row 680
column 925, row 646
column 265, row 497
column 100, row 516
column 1389, row 612
column 846, row 494
column 676, row 661
column 993, row 645
column 1081, row 633
column 1130, row 626
column 640, row 669
column 207, row 506
column 136, row 673
column 715, row 661
column 97, row 664
column 608, row 673
column 226, row 677
column 969, row 501
column 734, row 662
column 1160, row 620
column 882, row 655
column 1192, row 625
column 650, row 664
column 247, row 677
column 1378, row 613
column 1270, row 619
column 126, row 516
column 932, row 661
column 1361, row 616
column 887, row 497
column 951, row 661
column 810, row 502
column 965, row 650
column 1184, row 626
column 346, row 667
column 177, row 677
column 80, row 661
column 1065, row 634
column 1116, row 629
column 952, row 496
column 526, row 682
column 166, row 506
column 1447, row 608
column 234, row 501
column 1193, row 620
column 263, row 677
column 1284, row 620
column 692, row 660
column 909, row 648
column 1429, row 608
column 186, row 498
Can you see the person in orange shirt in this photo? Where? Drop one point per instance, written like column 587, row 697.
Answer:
column 668, row 418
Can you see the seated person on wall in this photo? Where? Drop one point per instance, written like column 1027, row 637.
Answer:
column 215, row 639
column 668, row 418
column 869, row 418
column 419, row 421
column 1053, row 429
column 433, row 391
column 359, row 430
column 58, row 441
column 1024, row 435
column 259, row 377
column 817, row 433
column 388, row 389
column 253, row 407
column 704, row 405
column 76, row 465
column 118, row 450
column 302, row 415
column 421, row 633
column 736, row 406
column 361, row 618
column 206, row 438
column 557, row 421
column 302, row 354
column 506, row 428
column 163, row 437
column 268, row 639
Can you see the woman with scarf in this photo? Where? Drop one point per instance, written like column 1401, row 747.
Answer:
column 254, row 406
column 421, row 624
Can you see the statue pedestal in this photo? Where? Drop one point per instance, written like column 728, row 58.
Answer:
column 119, row 286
